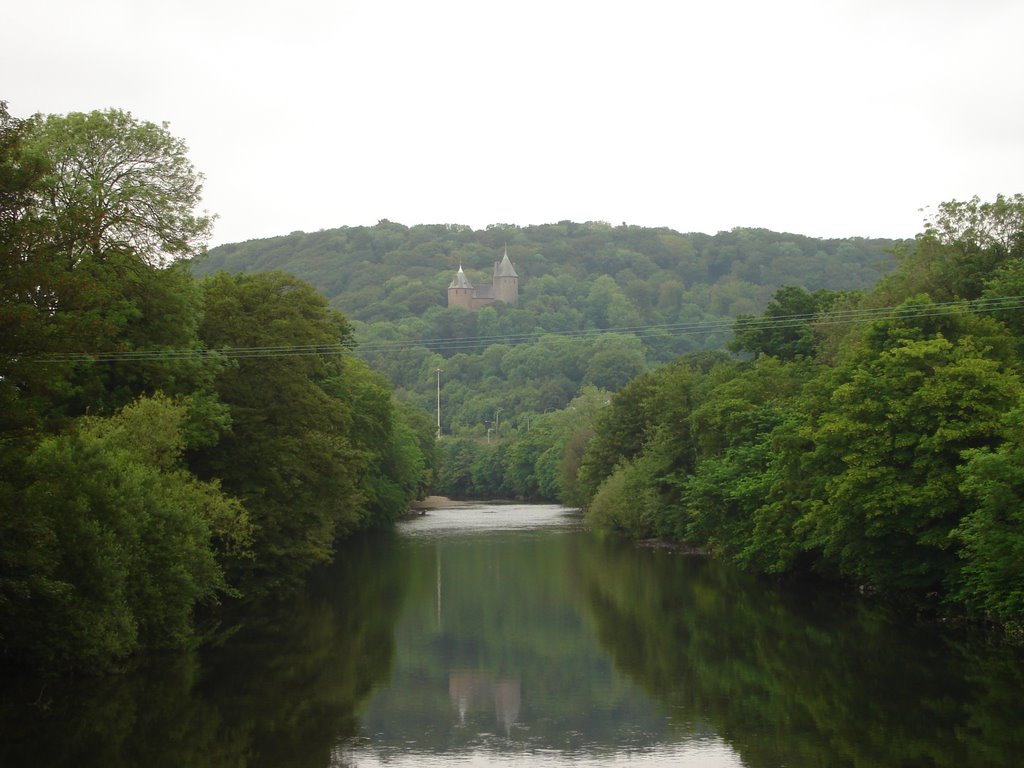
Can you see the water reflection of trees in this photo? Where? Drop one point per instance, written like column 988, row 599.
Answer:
column 783, row 676
column 282, row 690
column 798, row 677
column 500, row 655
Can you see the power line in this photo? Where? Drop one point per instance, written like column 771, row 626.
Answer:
column 716, row 326
column 455, row 344
column 233, row 353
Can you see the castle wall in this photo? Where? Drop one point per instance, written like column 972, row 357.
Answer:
column 461, row 297
column 507, row 289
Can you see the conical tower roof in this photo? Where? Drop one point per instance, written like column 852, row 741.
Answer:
column 504, row 267
column 460, row 281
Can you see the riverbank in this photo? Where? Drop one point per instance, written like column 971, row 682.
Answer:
column 675, row 546
column 434, row 502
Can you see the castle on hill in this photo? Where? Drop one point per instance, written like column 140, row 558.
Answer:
column 504, row 287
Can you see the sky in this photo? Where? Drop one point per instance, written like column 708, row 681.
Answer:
column 829, row 118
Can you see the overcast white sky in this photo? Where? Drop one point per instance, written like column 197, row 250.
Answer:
column 831, row 118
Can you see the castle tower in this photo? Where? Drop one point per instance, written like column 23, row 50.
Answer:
column 460, row 292
column 506, row 281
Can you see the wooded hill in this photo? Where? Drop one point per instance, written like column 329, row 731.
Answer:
column 877, row 439
column 584, row 291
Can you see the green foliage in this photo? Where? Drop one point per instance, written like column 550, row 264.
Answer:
column 889, row 444
column 978, row 237
column 109, row 543
column 964, row 245
column 614, row 360
column 421, row 432
column 110, row 540
column 590, row 279
column 880, row 453
column 78, row 276
column 627, row 501
column 21, row 173
column 314, row 449
column 991, row 578
column 785, row 330
column 119, row 185
column 534, row 459
column 113, row 543
column 620, row 432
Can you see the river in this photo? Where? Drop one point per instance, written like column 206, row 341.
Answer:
column 507, row 635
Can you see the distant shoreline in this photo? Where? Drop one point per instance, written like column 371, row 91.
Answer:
column 435, row 502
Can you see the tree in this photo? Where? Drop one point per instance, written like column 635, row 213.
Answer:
column 964, row 244
column 627, row 501
column 92, row 204
column 729, row 494
column 454, row 477
column 608, row 307
column 391, row 466
column 21, row 173
column 886, row 456
column 315, row 447
column 785, row 330
column 289, row 454
column 24, row 327
column 619, row 433
column 121, row 185
column 991, row 581
column 113, row 544
column 109, row 543
column 613, row 360
column 973, row 226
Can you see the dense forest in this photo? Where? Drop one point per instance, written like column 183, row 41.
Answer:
column 850, row 408
column 598, row 304
column 165, row 443
column 872, row 437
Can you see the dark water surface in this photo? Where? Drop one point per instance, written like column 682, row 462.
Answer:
column 507, row 635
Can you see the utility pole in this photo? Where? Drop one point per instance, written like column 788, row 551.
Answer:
column 439, row 403
column 497, row 424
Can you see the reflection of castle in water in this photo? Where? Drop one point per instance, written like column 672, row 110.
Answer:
column 471, row 690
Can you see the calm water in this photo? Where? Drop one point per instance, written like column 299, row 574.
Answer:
column 507, row 635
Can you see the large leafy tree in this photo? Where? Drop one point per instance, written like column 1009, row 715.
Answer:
column 121, row 185
column 315, row 449
column 978, row 238
column 23, row 314
column 91, row 205
column 620, row 433
column 887, row 451
column 785, row 330
column 965, row 244
column 738, row 466
column 991, row 580
column 108, row 542
column 112, row 544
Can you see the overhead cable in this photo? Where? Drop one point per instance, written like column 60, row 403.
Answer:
column 466, row 344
